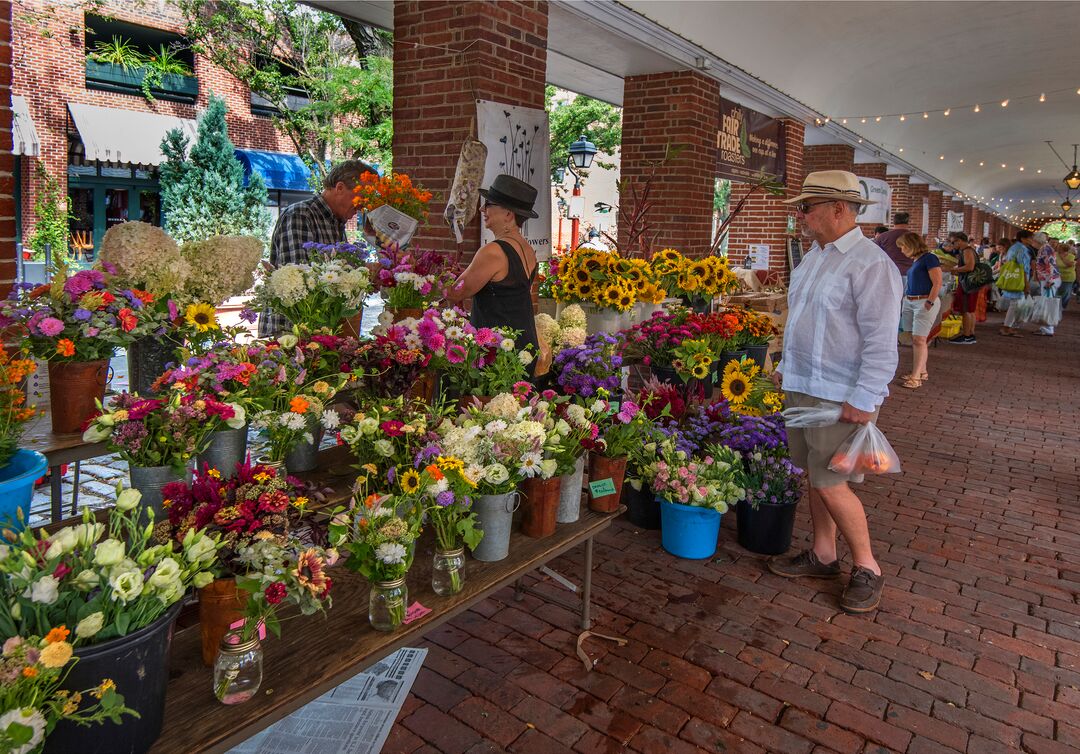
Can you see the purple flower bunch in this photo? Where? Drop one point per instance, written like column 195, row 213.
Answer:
column 747, row 434
column 586, row 369
column 771, row 480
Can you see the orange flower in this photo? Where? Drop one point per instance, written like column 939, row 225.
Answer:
column 65, row 347
column 436, row 474
column 299, row 405
column 60, row 633
column 145, row 296
column 128, row 320
column 29, row 672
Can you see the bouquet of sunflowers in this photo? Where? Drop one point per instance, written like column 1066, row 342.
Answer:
column 701, row 279
column 748, row 390
column 604, row 279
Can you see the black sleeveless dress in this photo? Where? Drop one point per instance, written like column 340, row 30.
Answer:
column 508, row 303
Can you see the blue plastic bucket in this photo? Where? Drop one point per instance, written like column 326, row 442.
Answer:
column 688, row 531
column 17, row 486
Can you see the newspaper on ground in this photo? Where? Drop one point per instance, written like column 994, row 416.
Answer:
column 354, row 718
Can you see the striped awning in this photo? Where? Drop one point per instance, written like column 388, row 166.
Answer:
column 112, row 135
column 23, row 134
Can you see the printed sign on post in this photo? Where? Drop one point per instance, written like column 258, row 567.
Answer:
column 759, row 256
column 602, row 487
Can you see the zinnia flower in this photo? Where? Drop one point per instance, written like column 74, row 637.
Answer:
column 275, row 593
column 51, row 327
column 65, row 347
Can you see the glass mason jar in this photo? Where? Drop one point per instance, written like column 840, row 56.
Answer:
column 386, row 604
column 237, row 669
column 448, row 571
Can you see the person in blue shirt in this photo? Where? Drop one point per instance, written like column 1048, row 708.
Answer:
column 1020, row 252
column 921, row 306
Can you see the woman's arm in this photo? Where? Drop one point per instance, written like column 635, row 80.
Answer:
column 969, row 262
column 935, row 286
column 484, row 267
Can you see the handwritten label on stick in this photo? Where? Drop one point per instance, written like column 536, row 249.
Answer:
column 416, row 611
column 602, row 487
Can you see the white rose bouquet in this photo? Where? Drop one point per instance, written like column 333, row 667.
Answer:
column 104, row 580
column 318, row 295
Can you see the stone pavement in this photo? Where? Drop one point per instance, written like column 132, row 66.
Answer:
column 976, row 647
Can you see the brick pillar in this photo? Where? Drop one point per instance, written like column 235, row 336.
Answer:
column 829, row 157
column 678, row 107
column 764, row 217
column 901, row 195
column 917, row 192
column 934, row 225
column 7, row 159
column 871, row 170
column 503, row 58
column 946, row 205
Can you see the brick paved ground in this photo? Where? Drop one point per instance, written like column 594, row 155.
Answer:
column 976, row 647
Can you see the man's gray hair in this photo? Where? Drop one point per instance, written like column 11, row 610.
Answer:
column 855, row 207
column 347, row 172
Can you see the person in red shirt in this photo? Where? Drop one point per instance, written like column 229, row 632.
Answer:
column 887, row 242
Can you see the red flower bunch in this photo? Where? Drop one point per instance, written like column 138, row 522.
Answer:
column 655, row 396
column 654, row 341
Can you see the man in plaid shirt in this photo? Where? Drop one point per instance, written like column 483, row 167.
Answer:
column 320, row 219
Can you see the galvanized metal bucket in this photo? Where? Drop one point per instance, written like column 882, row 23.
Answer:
column 570, row 494
column 227, row 448
column 149, row 480
column 302, row 457
column 495, row 515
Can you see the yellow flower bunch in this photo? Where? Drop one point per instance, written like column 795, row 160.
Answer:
column 601, row 278
column 703, row 278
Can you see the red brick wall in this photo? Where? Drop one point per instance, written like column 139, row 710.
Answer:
column 50, row 72
column 7, row 160
column 504, row 59
column 829, row 157
column 901, row 195
column 916, row 193
column 681, row 107
column 764, row 220
column 936, row 218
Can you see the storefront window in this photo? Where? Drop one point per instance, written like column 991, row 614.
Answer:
column 116, row 207
column 150, row 207
column 81, row 220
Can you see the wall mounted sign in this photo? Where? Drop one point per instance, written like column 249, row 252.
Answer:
column 955, row 222
column 748, row 143
column 878, row 191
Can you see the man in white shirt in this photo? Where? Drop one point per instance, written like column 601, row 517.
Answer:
column 594, row 242
column 839, row 350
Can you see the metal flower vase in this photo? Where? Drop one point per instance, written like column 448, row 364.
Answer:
column 304, row 456
column 147, row 358
column 570, row 494
column 227, row 448
column 495, row 516
column 149, row 480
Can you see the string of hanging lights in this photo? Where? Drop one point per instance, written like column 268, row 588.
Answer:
column 975, row 107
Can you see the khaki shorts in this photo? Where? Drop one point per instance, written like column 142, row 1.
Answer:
column 812, row 449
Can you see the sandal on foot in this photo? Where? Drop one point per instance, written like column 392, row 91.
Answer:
column 911, row 383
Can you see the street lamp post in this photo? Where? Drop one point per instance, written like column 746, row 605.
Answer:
column 580, row 157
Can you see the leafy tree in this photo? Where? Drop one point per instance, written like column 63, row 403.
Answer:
column 1062, row 230
column 570, row 117
column 203, row 192
column 51, row 217
column 329, row 81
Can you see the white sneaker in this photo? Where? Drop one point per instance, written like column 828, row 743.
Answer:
column 1046, row 330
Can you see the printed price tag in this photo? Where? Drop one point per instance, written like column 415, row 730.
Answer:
column 416, row 611
column 602, row 487
column 240, row 624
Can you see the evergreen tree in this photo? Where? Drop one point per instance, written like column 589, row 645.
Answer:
column 203, row 193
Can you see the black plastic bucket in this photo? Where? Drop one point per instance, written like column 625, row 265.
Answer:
column 767, row 530
column 642, row 508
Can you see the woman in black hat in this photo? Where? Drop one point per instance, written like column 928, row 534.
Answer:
column 500, row 277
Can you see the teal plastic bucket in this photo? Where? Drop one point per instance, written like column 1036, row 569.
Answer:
column 17, row 486
column 688, row 531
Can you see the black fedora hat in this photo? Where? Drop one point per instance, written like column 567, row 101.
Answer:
column 511, row 193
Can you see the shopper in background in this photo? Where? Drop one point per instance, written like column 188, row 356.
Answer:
column 1049, row 280
column 887, row 242
column 921, row 304
column 1066, row 264
column 963, row 303
column 1019, row 253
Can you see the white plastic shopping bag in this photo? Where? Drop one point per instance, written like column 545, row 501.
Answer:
column 805, row 417
column 865, row 452
column 1047, row 310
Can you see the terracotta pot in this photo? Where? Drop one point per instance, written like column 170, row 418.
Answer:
column 400, row 314
column 220, row 605
column 602, row 467
column 465, row 401
column 350, row 328
column 73, row 388
column 539, row 506
column 424, row 387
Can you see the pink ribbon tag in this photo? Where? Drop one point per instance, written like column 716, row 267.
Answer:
column 415, row 612
column 240, row 624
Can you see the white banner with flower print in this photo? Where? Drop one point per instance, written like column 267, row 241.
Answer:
column 517, row 144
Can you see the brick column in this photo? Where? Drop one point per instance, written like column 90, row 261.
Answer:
column 871, row 170
column 7, row 159
column 934, row 225
column 943, row 226
column 503, row 58
column 829, row 157
column 917, row 192
column 764, row 217
column 678, row 107
column 901, row 195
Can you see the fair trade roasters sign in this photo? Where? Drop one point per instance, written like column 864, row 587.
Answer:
column 748, row 144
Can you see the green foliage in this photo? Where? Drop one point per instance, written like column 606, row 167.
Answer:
column 332, row 93
column 1062, row 230
column 203, row 193
column 51, row 223
column 569, row 118
column 721, row 196
column 118, row 51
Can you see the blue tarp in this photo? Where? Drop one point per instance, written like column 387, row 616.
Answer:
column 282, row 172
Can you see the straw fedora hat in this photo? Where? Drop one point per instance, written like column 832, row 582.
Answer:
column 838, row 185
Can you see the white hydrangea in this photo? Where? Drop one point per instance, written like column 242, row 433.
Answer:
column 289, row 283
column 572, row 316
column 547, row 329
column 503, row 405
column 220, row 267
column 572, row 337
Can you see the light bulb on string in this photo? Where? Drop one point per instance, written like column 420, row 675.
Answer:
column 925, row 115
column 844, row 121
column 961, row 160
column 978, row 109
column 1004, row 103
column 941, row 157
column 864, row 120
column 877, row 119
column 947, row 111
column 903, row 117
column 1042, row 97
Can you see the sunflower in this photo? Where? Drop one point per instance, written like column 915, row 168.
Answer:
column 773, row 401
column 309, row 572
column 581, row 275
column 700, row 370
column 410, row 482
column 202, row 317
column 626, row 300
column 735, row 386
column 585, row 290
column 611, row 295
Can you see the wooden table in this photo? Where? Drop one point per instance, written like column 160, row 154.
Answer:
column 59, row 450
column 315, row 654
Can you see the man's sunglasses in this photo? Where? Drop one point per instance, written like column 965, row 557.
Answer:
column 806, row 208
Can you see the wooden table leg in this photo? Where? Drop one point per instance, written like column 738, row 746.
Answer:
column 56, row 488
column 586, row 590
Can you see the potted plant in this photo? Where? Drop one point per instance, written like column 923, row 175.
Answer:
column 473, row 362
column 19, row 469
column 601, row 282
column 621, row 427
column 390, row 436
column 121, row 592
column 766, row 515
column 159, row 437
column 755, row 335
column 412, row 281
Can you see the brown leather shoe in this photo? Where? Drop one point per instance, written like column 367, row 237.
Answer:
column 863, row 592
column 804, row 564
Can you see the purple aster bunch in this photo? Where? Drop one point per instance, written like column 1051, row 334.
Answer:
column 748, row 434
column 771, row 480
column 586, row 369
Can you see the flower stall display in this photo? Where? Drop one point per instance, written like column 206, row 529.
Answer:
column 75, row 323
column 621, row 427
column 723, row 333
column 159, row 437
column 32, row 670
column 567, row 330
column 319, row 295
column 592, row 367
column 748, row 390
column 675, row 347
column 111, row 585
column 389, row 364
column 255, row 503
column 756, row 332
column 766, row 514
column 603, row 282
column 698, row 281
column 411, row 281
column 391, row 437
column 380, row 544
